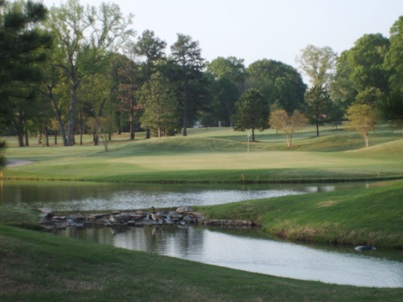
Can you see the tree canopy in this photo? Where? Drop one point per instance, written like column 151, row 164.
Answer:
column 251, row 112
column 76, row 70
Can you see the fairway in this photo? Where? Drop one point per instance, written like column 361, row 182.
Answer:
column 217, row 155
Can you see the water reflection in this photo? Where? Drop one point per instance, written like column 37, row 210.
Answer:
column 82, row 196
column 251, row 252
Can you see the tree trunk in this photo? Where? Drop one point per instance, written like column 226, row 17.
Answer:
column 317, row 126
column 26, row 136
column 289, row 141
column 132, row 119
column 45, row 130
column 366, row 140
column 185, row 120
column 72, row 110
column 20, row 137
column 58, row 116
column 80, row 121
column 253, row 134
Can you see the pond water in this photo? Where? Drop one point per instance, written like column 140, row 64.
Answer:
column 250, row 249
column 255, row 252
column 88, row 196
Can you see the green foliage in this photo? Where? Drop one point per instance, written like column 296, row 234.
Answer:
column 366, row 60
column 192, row 84
column 23, row 47
column 251, row 112
column 280, row 83
column 161, row 106
column 318, row 103
column 229, row 78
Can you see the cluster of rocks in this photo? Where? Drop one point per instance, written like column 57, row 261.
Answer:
column 181, row 217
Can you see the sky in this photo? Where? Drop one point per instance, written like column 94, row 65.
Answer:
column 260, row 29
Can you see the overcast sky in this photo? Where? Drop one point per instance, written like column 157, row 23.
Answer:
column 260, row 29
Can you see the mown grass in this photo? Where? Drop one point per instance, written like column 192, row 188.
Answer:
column 356, row 216
column 43, row 267
column 218, row 155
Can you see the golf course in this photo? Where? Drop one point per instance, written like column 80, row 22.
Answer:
column 36, row 266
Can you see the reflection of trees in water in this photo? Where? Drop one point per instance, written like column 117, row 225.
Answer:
column 170, row 241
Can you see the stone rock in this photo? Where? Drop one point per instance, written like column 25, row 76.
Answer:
column 183, row 210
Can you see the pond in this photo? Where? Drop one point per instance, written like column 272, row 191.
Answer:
column 255, row 252
column 250, row 249
column 88, row 196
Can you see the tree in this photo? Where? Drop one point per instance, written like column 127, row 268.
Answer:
column 191, row 82
column 151, row 48
column 318, row 64
column 297, row 121
column 278, row 119
column 392, row 107
column 76, row 28
column 230, row 68
column 251, row 111
column 363, row 119
column 161, row 105
column 23, row 47
column 280, row 83
column 318, row 104
column 228, row 81
column 127, row 81
column 366, row 60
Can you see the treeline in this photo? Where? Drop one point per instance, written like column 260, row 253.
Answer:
column 73, row 70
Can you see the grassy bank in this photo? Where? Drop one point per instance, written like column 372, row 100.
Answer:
column 355, row 216
column 43, row 267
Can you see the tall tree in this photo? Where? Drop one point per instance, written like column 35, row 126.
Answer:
column 228, row 80
column 127, row 82
column 366, row 61
column 318, row 105
column 152, row 50
column 251, row 112
column 319, row 65
column 191, row 82
column 161, row 105
column 23, row 47
column 392, row 107
column 281, row 84
column 230, row 68
column 76, row 27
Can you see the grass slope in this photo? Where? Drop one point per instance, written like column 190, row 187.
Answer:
column 359, row 216
column 43, row 267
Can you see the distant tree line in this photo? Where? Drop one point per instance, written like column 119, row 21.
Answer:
column 72, row 70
